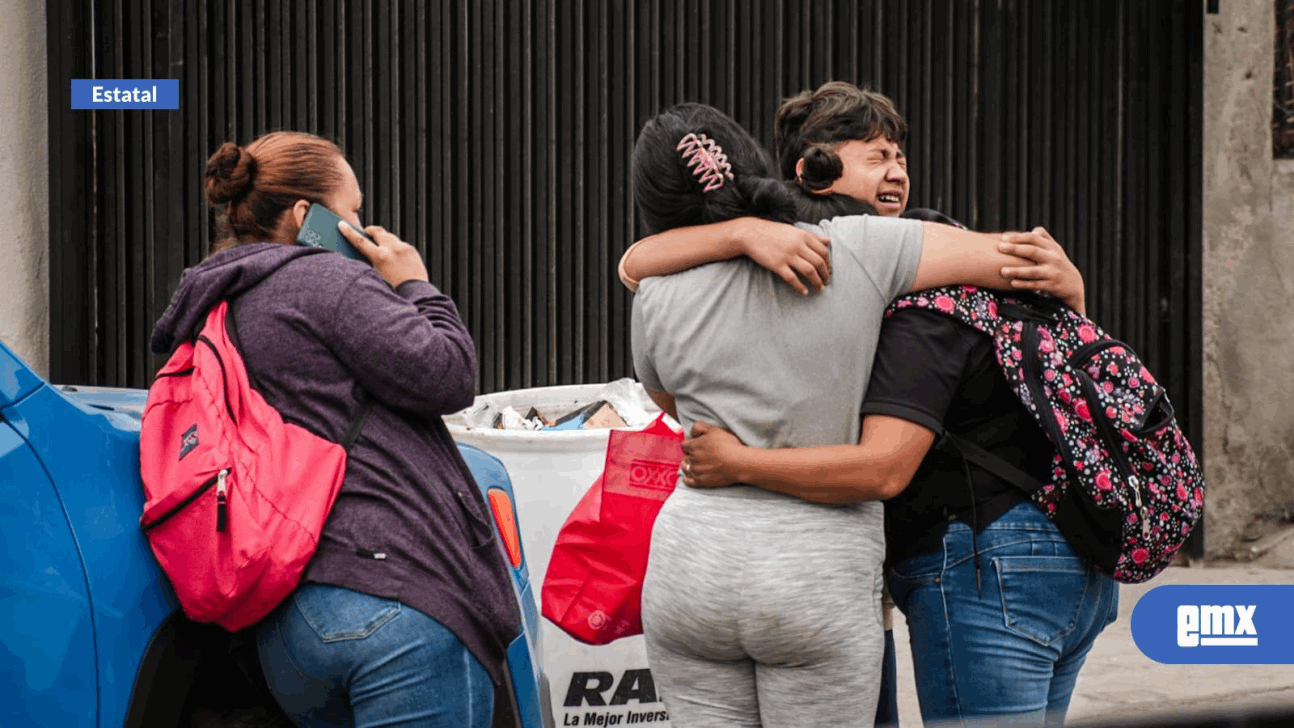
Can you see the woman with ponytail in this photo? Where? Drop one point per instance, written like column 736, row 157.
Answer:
column 759, row 608
column 406, row 608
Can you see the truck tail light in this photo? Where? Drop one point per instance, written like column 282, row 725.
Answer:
column 505, row 518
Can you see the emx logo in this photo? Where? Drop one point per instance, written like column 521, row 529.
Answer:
column 1212, row 625
column 1217, row 624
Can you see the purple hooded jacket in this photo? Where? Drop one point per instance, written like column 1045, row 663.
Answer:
column 318, row 332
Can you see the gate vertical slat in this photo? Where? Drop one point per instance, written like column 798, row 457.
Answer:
column 113, row 275
column 1134, row 170
column 168, row 183
column 991, row 129
column 1012, row 171
column 142, row 166
column 618, row 224
column 190, row 213
column 1083, row 117
column 1158, row 270
column 565, row 158
column 522, row 320
column 547, row 266
column 598, row 231
column 271, row 34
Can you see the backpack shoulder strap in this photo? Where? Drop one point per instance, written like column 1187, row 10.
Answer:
column 975, row 307
column 352, row 432
column 960, row 446
column 202, row 322
column 366, row 402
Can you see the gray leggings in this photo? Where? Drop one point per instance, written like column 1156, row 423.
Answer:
column 764, row 611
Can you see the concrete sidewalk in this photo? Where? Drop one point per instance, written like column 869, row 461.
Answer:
column 1118, row 683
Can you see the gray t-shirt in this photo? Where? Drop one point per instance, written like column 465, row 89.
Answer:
column 738, row 348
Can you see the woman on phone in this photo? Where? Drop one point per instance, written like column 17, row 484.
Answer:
column 406, row 608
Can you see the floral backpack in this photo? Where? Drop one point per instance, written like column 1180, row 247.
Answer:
column 1126, row 489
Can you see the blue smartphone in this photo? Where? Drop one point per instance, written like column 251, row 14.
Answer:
column 319, row 230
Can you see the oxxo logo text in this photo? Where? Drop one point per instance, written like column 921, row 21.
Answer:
column 653, row 474
column 1216, row 624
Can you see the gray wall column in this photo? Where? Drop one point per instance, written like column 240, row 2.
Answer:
column 24, row 182
column 1248, row 280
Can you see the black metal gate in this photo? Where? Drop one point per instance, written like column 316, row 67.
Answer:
column 495, row 135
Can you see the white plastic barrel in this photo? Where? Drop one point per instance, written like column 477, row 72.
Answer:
column 551, row 470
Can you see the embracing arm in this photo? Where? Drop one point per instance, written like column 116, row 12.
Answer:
column 1034, row 260
column 1008, row 261
column 879, row 467
column 784, row 249
column 921, row 360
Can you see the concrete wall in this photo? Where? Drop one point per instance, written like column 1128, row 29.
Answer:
column 24, row 182
column 1248, row 279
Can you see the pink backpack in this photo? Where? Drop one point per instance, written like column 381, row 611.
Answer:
column 236, row 497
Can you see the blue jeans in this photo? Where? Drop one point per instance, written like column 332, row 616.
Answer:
column 336, row 657
column 1009, row 654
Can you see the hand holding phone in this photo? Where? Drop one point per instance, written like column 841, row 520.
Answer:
column 319, row 230
column 394, row 259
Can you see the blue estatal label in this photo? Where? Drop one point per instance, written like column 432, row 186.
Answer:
column 133, row 93
column 1220, row 624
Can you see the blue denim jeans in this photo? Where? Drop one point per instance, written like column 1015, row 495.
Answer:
column 1007, row 653
column 336, row 657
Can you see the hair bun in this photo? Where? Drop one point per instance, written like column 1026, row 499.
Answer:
column 821, row 167
column 230, row 172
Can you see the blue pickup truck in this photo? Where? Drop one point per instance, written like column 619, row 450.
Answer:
column 90, row 632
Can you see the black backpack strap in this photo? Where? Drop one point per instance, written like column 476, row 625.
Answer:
column 366, row 403
column 352, row 432
column 978, row 456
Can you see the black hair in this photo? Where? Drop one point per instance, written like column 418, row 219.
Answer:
column 814, row 207
column 669, row 195
column 821, row 167
column 833, row 113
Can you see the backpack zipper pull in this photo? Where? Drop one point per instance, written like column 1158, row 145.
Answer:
column 1141, row 510
column 222, row 501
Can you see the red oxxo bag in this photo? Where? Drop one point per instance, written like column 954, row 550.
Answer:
column 236, row 497
column 593, row 586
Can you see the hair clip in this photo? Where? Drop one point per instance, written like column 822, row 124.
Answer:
column 707, row 160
